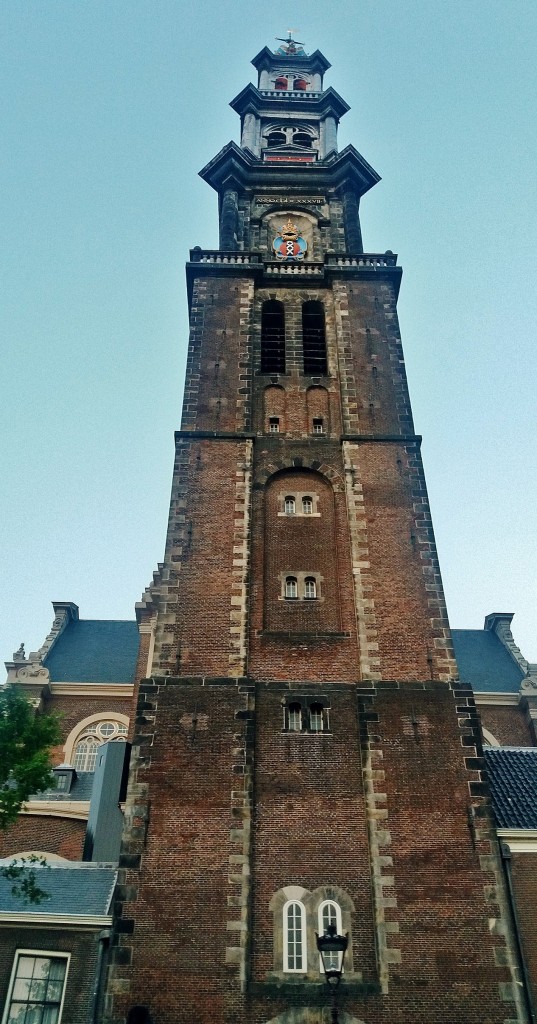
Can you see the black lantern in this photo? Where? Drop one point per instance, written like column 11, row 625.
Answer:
column 328, row 944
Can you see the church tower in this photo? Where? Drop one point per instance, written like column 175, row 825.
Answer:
column 305, row 755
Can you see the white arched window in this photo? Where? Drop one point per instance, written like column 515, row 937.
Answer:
column 291, row 587
column 307, row 505
column 294, row 937
column 90, row 739
column 330, row 914
column 310, row 588
column 289, row 504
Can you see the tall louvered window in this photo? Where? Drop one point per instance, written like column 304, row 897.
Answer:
column 272, row 337
column 314, row 339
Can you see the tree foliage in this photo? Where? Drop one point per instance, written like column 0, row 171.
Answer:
column 25, row 762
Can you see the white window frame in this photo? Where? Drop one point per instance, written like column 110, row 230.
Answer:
column 307, row 505
column 321, row 929
column 291, row 583
column 274, row 424
column 304, row 939
column 318, row 425
column 320, row 716
column 294, row 708
column 44, row 954
column 310, row 583
column 289, row 505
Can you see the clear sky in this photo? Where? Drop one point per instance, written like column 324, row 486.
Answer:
column 110, row 109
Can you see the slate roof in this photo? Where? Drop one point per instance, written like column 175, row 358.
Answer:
column 94, row 651
column 513, row 784
column 80, row 790
column 78, row 890
column 484, row 662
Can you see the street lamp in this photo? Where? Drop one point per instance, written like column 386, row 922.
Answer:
column 328, row 944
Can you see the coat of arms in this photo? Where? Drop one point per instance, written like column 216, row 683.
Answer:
column 289, row 245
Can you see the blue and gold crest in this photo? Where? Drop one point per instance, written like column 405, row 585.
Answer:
column 289, row 245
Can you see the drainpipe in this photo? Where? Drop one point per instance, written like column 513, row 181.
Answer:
column 506, row 861
column 104, row 938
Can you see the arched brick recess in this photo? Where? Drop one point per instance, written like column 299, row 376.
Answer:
column 295, row 545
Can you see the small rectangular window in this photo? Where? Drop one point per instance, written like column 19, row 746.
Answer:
column 37, row 988
column 274, row 425
column 318, row 426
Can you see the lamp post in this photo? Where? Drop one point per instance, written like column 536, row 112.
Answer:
column 328, row 944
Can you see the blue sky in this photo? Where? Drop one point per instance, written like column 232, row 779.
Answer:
column 111, row 110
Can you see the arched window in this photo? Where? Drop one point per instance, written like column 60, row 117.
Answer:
column 281, row 83
column 291, row 587
column 317, row 717
column 307, row 505
column 289, row 504
column 300, row 84
column 313, row 339
column 276, row 139
column 85, row 751
column 294, row 717
column 272, row 337
column 310, row 588
column 330, row 914
column 294, row 938
column 302, row 139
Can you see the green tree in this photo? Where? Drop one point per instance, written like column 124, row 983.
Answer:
column 25, row 769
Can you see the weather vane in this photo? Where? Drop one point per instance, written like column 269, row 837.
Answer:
column 290, row 45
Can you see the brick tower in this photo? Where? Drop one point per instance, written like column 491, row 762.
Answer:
column 305, row 754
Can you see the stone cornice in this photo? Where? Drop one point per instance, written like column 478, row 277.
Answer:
column 78, row 809
column 38, row 919
column 265, row 103
column 236, row 168
column 315, row 61
column 99, row 690
column 498, row 699
column 519, row 840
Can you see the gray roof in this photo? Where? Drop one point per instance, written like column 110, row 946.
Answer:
column 78, row 889
column 484, row 662
column 512, row 775
column 94, row 651
column 80, row 790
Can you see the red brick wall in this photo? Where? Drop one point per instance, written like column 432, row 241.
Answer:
column 63, row 836
column 184, row 892
column 524, row 877
column 199, row 641
column 301, row 543
column 396, row 565
column 507, row 724
column 309, row 824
